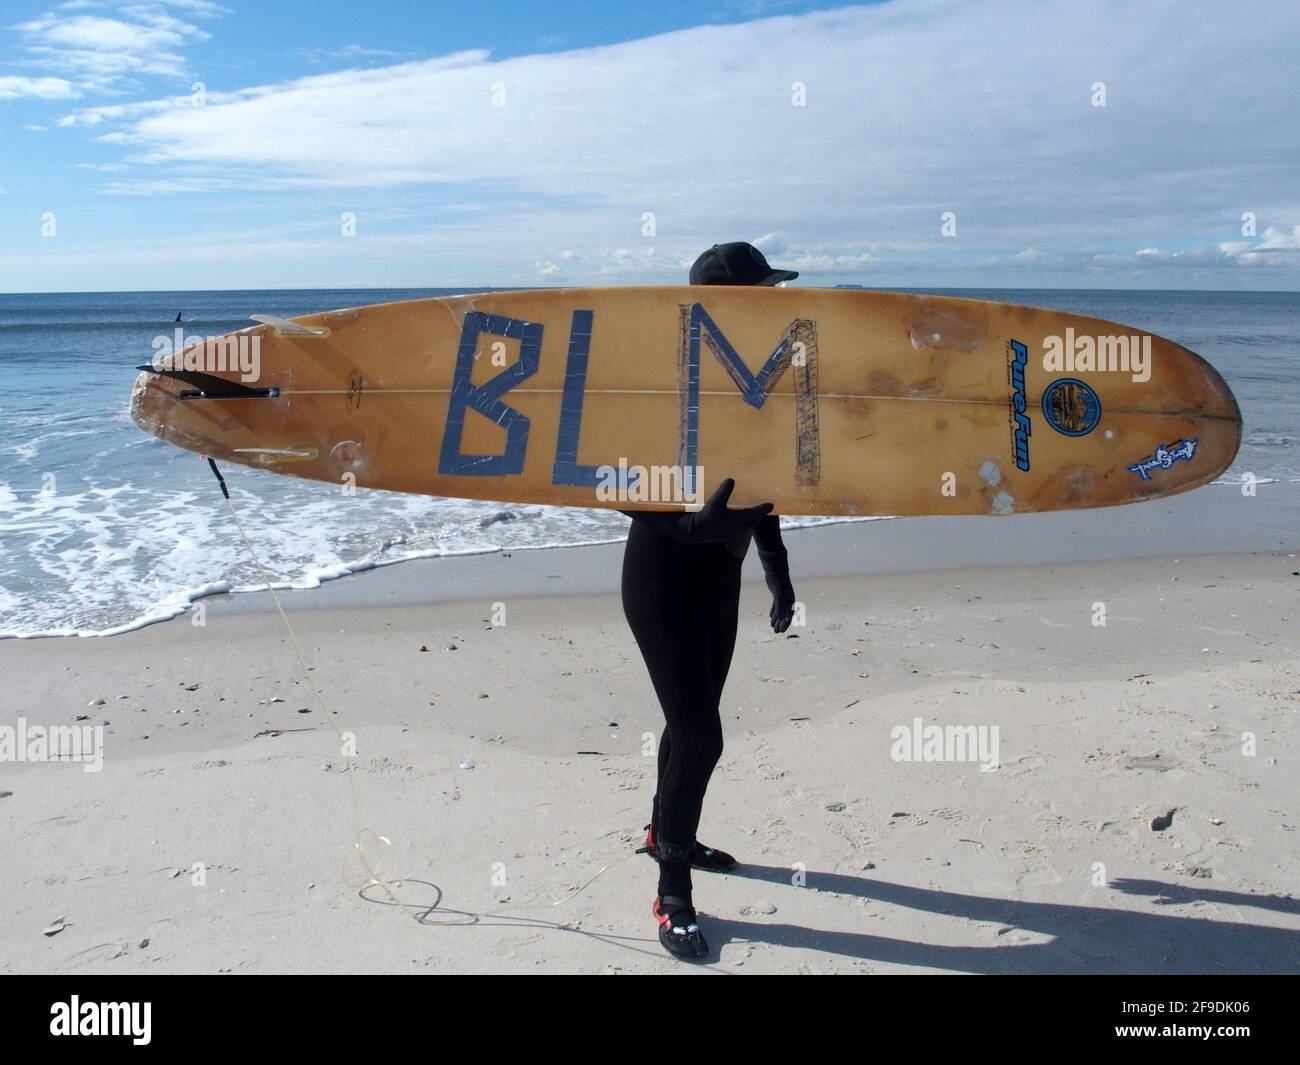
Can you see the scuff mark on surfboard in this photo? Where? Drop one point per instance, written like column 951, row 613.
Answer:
column 1003, row 503
column 990, row 473
column 931, row 328
column 1078, row 483
column 348, row 453
column 883, row 384
column 347, row 314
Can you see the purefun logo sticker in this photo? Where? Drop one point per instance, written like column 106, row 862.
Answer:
column 1017, row 404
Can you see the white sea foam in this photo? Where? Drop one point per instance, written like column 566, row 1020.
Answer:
column 108, row 559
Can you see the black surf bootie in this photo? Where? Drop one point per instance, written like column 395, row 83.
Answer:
column 699, row 856
column 679, row 929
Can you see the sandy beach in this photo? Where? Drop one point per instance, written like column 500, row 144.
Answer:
column 341, row 348
column 505, row 747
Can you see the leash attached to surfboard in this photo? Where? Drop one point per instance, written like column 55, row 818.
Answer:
column 362, row 834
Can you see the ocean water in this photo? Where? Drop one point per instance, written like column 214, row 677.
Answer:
column 103, row 528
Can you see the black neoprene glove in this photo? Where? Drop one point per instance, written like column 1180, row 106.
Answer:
column 716, row 523
column 776, row 570
column 782, row 612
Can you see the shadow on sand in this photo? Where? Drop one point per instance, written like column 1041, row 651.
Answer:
column 1084, row 939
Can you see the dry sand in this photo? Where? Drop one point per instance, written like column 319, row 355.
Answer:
column 853, row 861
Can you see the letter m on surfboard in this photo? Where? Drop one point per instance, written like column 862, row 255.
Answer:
column 796, row 350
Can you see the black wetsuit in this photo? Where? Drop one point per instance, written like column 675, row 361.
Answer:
column 681, row 598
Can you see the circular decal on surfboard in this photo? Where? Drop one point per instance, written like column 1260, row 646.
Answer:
column 1071, row 407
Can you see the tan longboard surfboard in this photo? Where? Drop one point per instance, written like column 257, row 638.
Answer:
column 822, row 401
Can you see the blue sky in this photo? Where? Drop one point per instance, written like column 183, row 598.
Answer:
column 428, row 144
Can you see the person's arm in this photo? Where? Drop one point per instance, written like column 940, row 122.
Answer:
column 771, row 548
column 776, row 569
column 714, row 523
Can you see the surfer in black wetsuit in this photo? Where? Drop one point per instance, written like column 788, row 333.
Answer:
column 681, row 593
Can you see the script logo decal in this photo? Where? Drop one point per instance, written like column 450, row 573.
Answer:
column 1166, row 455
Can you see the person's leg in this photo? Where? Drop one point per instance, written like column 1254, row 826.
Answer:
column 721, row 642
column 645, row 557
column 724, row 593
column 714, row 580
column 661, row 764
column 675, row 596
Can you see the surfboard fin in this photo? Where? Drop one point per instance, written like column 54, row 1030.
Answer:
column 210, row 386
column 286, row 327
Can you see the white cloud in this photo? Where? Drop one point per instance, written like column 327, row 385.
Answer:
column 829, row 264
column 770, row 244
column 1277, row 248
column 16, row 87
column 914, row 108
column 350, row 53
column 1276, row 238
column 102, row 50
column 79, row 33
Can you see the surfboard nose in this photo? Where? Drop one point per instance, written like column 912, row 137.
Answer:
column 1219, row 403
column 1219, row 388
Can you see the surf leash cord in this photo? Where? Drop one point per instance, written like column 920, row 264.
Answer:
column 363, row 835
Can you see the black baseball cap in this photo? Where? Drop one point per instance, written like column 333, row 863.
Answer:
column 736, row 264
